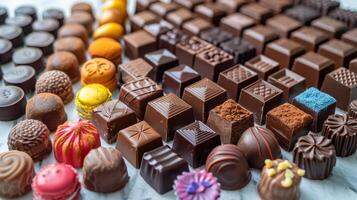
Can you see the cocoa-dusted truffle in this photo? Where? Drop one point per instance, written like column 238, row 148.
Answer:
column 73, row 30
column 31, row 136
column 55, row 82
column 352, row 110
column 316, row 154
column 72, row 44
column 66, row 62
column 48, row 108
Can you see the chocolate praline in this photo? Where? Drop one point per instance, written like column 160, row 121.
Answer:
column 27, row 10
column 46, row 25
column 22, row 21
column 72, row 44
column 12, row 103
column 352, row 110
column 22, row 76
column 66, row 62
column 31, row 136
column 29, row 56
column 41, row 40
column 82, row 7
column 54, row 13
column 73, row 30
column 82, row 18
column 12, row 33
column 6, row 51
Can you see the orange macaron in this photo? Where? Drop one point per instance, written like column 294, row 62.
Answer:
column 107, row 48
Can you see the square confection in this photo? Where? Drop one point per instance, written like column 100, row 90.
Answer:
column 323, row 6
column 314, row 67
column 257, row 11
column 347, row 16
column 340, row 52
column 160, row 168
column 211, row 62
column 353, row 65
column 167, row 114
column 240, row 49
column 288, row 123
column 176, row 79
column 316, row 103
column 134, row 70
column 284, row 51
column 180, row 16
column 342, row 85
column 263, row 66
column 159, row 28
column 290, row 25
column 138, row 93
column 203, row 96
column 350, row 37
column 259, row 98
column 289, row 82
column 162, row 9
column 142, row 5
column 186, row 50
column 137, row 139
column 139, row 20
column 259, row 36
column 236, row 23
column 232, row 6
column 302, row 13
column 309, row 37
column 211, row 12
column 161, row 60
column 171, row 38
column 196, row 26
column 277, row 6
column 235, row 79
column 194, row 142
column 111, row 117
column 138, row 43
column 230, row 120
column 331, row 27
column 215, row 36
column 189, row 4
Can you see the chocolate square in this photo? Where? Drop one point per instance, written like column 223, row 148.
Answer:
column 314, row 67
column 332, row 27
column 283, row 25
column 178, row 17
column 284, row 51
column 240, row 49
column 288, row 123
column 350, row 37
column 353, row 65
column 342, row 85
column 318, row 104
column 137, row 94
column 167, row 114
column 215, row 36
column 259, row 98
column 232, row 6
column 160, row 168
column 111, row 117
column 259, row 36
column 235, row 79
column 289, row 82
column 194, row 142
column 170, row 39
column 187, row 49
column 176, row 79
column 277, row 6
column 139, row 43
column 236, row 23
column 159, row 28
column 162, row 9
column 161, row 60
column 196, row 26
column 340, row 52
column 203, row 96
column 143, row 5
column 137, row 139
column 139, row 20
column 263, row 66
column 211, row 12
column 323, row 6
column 189, row 4
column 230, row 120
column 257, row 11
column 134, row 70
column 302, row 13
column 211, row 62
column 309, row 37
column 347, row 16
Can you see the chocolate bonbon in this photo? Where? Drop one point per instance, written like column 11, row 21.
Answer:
column 162, row 9
column 6, row 51
column 46, row 25
column 159, row 28
column 256, row 11
column 139, row 20
column 196, row 26
column 187, row 50
column 290, row 25
column 178, row 17
column 161, row 60
column 134, row 70
column 347, row 16
column 12, row 103
column 84, row 7
column 109, row 30
column 53, row 13
column 232, row 6
column 142, row 5
column 12, row 33
column 82, row 18
column 240, row 49
column 189, row 4
column 323, row 6
column 66, row 62
column 236, row 24
column 263, row 66
column 139, row 43
column 22, row 21
column 309, row 37
column 338, row 51
column 302, row 13
column 3, row 14
column 170, row 39
column 331, row 27
column 73, row 30
column 104, row 170
column 41, row 40
column 215, row 36
column 277, row 6
column 211, row 12
column 259, row 36
column 352, row 109
column 350, row 37
column 21, row 76
column 29, row 56
column 111, row 52
column 27, row 10
column 32, row 137
column 72, row 44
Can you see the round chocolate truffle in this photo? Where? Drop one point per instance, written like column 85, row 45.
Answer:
column 41, row 40
column 104, row 170
column 6, row 50
column 74, row 30
column 17, row 170
column 72, row 44
column 29, row 56
column 46, row 25
column 22, row 21
column 82, row 18
column 47, row 108
column 32, row 137
column 316, row 154
column 259, row 144
column 12, row 33
column 21, row 76
column 352, row 110
column 56, row 82
column 12, row 103
column 54, row 13
column 66, row 62
column 27, row 10
column 342, row 130
column 82, row 7
column 3, row 15
column 228, row 164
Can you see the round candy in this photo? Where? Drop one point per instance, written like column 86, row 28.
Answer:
column 74, row 30
column 82, row 18
column 109, row 30
column 72, row 44
column 46, row 25
column 66, row 62
column 106, row 48
column 115, row 5
column 27, row 10
column 82, row 7
column 111, row 16
column 22, row 21
column 41, row 40
column 22, row 76
column 29, row 56
column 12, row 33
column 6, row 50
column 12, row 103
column 54, row 13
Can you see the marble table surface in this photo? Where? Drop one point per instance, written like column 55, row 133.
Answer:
column 341, row 185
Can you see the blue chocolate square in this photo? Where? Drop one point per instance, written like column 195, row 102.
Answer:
column 315, row 100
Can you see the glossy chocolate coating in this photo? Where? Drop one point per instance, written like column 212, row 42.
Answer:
column 12, row 33
column 139, row 20
column 138, row 44
column 310, row 38
column 240, row 49
column 263, row 66
column 41, row 40
column 236, row 23
column 72, row 44
column 12, row 103
column 180, row 16
column 54, row 13
column 196, row 26
column 73, row 30
column 302, row 13
column 259, row 36
column 6, row 51
column 211, row 12
column 256, row 11
column 350, row 37
column 66, row 62
column 27, row 10
column 134, row 70
column 22, row 76
column 331, row 27
column 170, row 39
column 157, row 29
column 22, row 21
column 162, row 9
column 338, row 51
column 290, row 25
column 161, row 60
column 29, row 56
column 46, row 25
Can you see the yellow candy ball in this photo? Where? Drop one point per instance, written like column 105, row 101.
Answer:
column 111, row 30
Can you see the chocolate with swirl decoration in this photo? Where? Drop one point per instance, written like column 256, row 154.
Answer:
column 104, row 170
column 352, row 110
column 16, row 172
column 316, row 154
column 31, row 136
column 342, row 130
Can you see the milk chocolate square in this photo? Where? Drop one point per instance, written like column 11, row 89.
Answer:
column 259, row 36
column 170, row 39
column 236, row 23
column 196, row 26
column 309, row 37
column 277, row 6
column 139, row 20
column 162, row 9
column 138, row 43
column 211, row 12
column 180, row 16
column 257, row 11
column 340, row 52
column 161, row 60
column 263, row 66
column 332, row 27
column 302, row 13
column 189, row 4
column 232, row 6
column 350, row 37
column 134, row 70
column 283, row 25
column 143, row 5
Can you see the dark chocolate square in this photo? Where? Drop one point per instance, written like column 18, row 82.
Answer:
column 176, row 79
column 309, row 37
column 353, row 65
column 283, row 25
column 289, row 82
column 139, row 20
column 323, row 6
column 139, row 43
column 178, row 17
column 277, row 6
column 235, row 79
column 189, row 4
column 203, row 96
column 350, row 37
column 211, row 12
column 314, row 67
column 332, row 27
column 162, row 9
column 236, row 23
column 215, row 36
column 134, row 70
column 232, row 6
column 240, row 49
column 259, row 98
column 194, row 142
column 302, row 13
column 196, row 26
column 257, row 11
column 340, row 52
column 137, row 139
column 263, row 66
column 161, row 60
column 259, row 36
column 142, row 5
column 159, row 28
column 347, row 16
column 170, row 39
column 160, row 168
